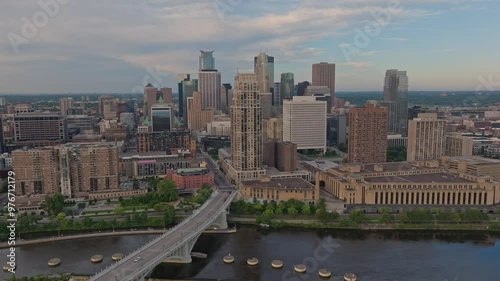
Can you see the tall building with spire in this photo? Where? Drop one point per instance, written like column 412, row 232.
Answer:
column 396, row 100
column 209, row 82
column 246, row 130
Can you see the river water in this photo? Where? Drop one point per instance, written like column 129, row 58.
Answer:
column 381, row 256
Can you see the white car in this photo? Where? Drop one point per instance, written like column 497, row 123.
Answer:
column 138, row 259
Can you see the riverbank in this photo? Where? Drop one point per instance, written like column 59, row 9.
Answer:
column 492, row 227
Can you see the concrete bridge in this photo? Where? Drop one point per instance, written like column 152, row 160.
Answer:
column 175, row 245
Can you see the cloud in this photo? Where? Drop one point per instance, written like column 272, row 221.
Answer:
column 356, row 64
column 130, row 35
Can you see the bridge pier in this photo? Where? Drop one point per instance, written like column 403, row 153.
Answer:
column 183, row 253
column 221, row 221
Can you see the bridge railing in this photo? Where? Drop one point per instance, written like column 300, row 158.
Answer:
column 154, row 241
column 206, row 223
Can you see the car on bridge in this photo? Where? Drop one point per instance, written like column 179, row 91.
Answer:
column 138, row 259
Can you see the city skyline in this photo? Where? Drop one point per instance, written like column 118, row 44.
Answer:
column 148, row 42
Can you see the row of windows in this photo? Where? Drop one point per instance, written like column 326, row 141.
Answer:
column 432, row 198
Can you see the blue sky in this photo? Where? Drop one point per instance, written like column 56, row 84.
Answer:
column 119, row 45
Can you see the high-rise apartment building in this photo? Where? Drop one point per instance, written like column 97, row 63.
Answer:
column 39, row 129
column 246, row 130
column 65, row 104
column 396, row 99
column 458, row 145
column 304, row 122
column 161, row 118
column 88, row 168
column 207, row 60
column 426, row 137
column 287, row 86
column 37, row 171
column 323, row 74
column 197, row 116
column 367, row 134
column 209, row 85
column 73, row 170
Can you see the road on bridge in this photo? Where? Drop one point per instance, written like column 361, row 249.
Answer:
column 148, row 253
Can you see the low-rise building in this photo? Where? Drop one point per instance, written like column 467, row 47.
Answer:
column 279, row 190
column 419, row 184
column 192, row 178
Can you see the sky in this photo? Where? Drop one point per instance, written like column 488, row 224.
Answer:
column 118, row 46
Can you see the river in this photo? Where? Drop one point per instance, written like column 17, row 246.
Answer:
column 381, row 256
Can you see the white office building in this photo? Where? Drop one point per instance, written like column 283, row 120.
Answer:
column 304, row 122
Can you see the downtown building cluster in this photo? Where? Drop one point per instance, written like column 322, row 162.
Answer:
column 258, row 127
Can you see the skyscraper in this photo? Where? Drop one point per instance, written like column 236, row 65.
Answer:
column 262, row 72
column 323, row 74
column 304, row 122
column 287, row 86
column 180, row 89
column 246, row 129
column 188, row 88
column 396, row 99
column 367, row 134
column 426, row 137
column 207, row 60
column 209, row 84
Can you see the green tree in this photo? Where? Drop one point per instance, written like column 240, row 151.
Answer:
column 357, row 216
column 119, row 211
column 53, row 204
column 61, row 216
column 169, row 215
column 158, row 207
column 87, row 223
column 306, row 210
column 166, row 191
column 292, row 211
column 386, row 216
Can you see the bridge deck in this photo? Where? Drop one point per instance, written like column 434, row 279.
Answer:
column 153, row 253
